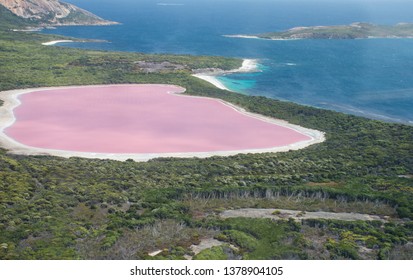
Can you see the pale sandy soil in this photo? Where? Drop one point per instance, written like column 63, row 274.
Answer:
column 205, row 244
column 208, row 243
column 277, row 214
column 155, row 253
column 11, row 101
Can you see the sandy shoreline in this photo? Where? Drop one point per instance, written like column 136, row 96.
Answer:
column 242, row 36
column 11, row 101
column 260, row 38
column 248, row 65
column 51, row 43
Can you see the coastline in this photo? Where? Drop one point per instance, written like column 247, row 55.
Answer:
column 248, row 66
column 242, row 36
column 54, row 42
column 11, row 101
column 260, row 38
column 51, row 43
column 295, row 39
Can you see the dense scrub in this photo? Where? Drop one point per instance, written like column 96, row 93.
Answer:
column 10, row 20
column 55, row 208
column 26, row 64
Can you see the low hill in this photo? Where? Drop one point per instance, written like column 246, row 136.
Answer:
column 10, row 20
column 51, row 12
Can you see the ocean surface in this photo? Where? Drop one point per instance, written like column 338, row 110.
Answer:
column 371, row 77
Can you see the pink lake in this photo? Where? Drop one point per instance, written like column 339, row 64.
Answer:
column 139, row 119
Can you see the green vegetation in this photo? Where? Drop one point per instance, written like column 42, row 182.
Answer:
column 311, row 239
column 26, row 63
column 353, row 31
column 55, row 208
column 214, row 253
column 262, row 238
column 10, row 20
column 361, row 240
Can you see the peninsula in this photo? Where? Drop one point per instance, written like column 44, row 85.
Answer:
column 356, row 30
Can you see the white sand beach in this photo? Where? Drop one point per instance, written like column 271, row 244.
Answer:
column 51, row 43
column 260, row 38
column 213, row 80
column 11, row 101
column 248, row 65
column 242, row 36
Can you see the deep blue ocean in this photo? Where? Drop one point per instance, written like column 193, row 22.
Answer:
column 372, row 77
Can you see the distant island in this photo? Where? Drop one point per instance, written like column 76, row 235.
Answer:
column 353, row 31
column 44, row 13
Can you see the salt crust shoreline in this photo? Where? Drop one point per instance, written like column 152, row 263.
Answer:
column 11, row 101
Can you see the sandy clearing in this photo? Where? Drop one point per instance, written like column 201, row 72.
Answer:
column 205, row 244
column 297, row 215
column 11, row 101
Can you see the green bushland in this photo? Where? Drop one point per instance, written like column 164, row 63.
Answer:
column 56, row 208
column 263, row 238
column 214, row 253
column 8, row 20
column 346, row 238
column 28, row 64
column 360, row 30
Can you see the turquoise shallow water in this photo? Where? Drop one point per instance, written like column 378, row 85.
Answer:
column 373, row 77
column 239, row 83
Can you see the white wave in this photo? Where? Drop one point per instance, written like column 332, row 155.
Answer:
column 368, row 114
column 169, row 4
column 242, row 36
